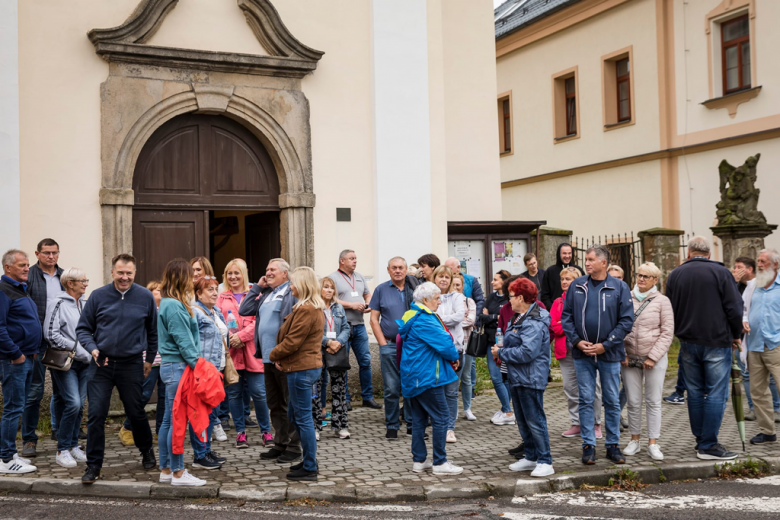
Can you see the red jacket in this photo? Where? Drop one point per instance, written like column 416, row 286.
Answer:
column 200, row 391
column 556, row 327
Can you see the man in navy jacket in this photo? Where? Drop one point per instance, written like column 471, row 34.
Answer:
column 597, row 316
column 708, row 321
column 20, row 337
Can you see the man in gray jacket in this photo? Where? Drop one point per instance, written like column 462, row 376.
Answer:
column 271, row 300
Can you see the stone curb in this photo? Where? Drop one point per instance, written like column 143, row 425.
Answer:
column 523, row 486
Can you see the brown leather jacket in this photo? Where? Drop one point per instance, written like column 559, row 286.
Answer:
column 299, row 340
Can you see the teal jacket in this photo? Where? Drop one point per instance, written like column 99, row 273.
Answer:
column 427, row 350
column 178, row 339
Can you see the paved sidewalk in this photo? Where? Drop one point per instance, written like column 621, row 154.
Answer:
column 368, row 460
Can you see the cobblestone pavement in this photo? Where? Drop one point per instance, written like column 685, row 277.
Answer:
column 367, row 459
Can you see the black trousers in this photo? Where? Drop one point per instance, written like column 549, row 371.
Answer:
column 127, row 375
column 286, row 437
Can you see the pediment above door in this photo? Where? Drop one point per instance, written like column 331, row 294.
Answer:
column 287, row 56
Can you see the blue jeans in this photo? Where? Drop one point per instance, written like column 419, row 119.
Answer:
column 223, row 410
column 609, row 375
column 474, row 376
column 502, row 389
column 16, row 381
column 707, row 373
column 171, row 375
column 199, row 448
column 391, row 385
column 358, row 343
column 532, row 423
column 299, row 413
column 469, row 365
column 152, row 379
column 254, row 382
column 451, row 394
column 32, row 406
column 680, row 388
column 432, row 404
column 746, row 384
column 72, row 386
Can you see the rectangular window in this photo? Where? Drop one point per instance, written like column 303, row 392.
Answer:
column 735, row 43
column 623, row 73
column 571, row 107
column 505, row 142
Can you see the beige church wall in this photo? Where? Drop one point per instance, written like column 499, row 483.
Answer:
column 693, row 75
column 528, row 71
column 699, row 185
column 59, row 104
column 604, row 202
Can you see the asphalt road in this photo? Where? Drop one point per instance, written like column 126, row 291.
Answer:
column 708, row 500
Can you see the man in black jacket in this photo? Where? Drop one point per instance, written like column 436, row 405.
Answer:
column 551, row 282
column 708, row 321
column 43, row 285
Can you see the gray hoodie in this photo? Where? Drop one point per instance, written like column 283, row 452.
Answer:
column 59, row 327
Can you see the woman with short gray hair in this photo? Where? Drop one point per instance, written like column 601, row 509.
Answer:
column 645, row 366
column 59, row 329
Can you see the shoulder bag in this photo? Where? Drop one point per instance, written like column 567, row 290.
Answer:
column 58, row 359
column 229, row 372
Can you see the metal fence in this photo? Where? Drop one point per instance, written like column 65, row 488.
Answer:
column 624, row 250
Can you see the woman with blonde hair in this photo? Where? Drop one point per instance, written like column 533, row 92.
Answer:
column 645, row 366
column 452, row 311
column 178, row 342
column 242, row 352
column 298, row 354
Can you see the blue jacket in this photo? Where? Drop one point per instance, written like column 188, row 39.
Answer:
column 20, row 327
column 340, row 326
column 119, row 326
column 211, row 342
column 616, row 317
column 526, row 350
column 427, row 350
column 472, row 289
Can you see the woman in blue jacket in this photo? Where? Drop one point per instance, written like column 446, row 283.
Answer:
column 526, row 352
column 428, row 363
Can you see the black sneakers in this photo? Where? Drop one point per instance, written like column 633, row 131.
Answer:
column 216, row 458
column 589, row 455
column 301, row 474
column 391, row 435
column 370, row 403
column 716, row 452
column 615, row 455
column 287, row 457
column 519, row 451
column 91, row 475
column 206, row 462
column 148, row 459
column 763, row 438
column 271, row 454
column 249, row 423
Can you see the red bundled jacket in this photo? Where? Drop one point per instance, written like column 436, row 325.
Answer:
column 200, row 391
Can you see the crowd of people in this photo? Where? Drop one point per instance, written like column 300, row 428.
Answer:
column 212, row 346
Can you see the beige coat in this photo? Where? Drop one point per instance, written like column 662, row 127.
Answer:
column 653, row 330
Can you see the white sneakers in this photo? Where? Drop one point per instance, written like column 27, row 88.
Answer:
column 219, row 433
column 187, row 479
column 451, row 436
column 501, row 419
column 523, row 465
column 166, row 479
column 420, row 467
column 15, row 466
column 447, row 469
column 17, row 458
column 632, row 449
column 77, row 454
column 343, row 434
column 469, row 416
column 655, row 451
column 317, row 434
column 65, row 459
column 536, row 469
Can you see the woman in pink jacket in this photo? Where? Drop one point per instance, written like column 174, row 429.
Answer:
column 645, row 366
column 242, row 352
column 566, row 362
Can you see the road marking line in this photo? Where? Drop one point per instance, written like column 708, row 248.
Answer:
column 380, row 508
column 540, row 516
column 774, row 480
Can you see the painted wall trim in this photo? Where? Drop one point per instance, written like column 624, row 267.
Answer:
column 10, row 195
column 650, row 156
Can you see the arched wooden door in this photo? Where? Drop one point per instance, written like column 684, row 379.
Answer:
column 189, row 167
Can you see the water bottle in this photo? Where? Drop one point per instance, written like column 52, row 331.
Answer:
column 232, row 324
column 499, row 338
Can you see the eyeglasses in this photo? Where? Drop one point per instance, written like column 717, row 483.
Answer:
column 85, row 281
column 48, row 253
column 644, row 277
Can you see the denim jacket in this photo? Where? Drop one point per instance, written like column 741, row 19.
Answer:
column 211, row 343
column 340, row 325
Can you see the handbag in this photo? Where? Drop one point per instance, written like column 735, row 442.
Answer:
column 58, row 359
column 478, row 342
column 337, row 361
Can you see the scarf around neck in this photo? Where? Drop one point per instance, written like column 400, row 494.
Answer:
column 642, row 295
